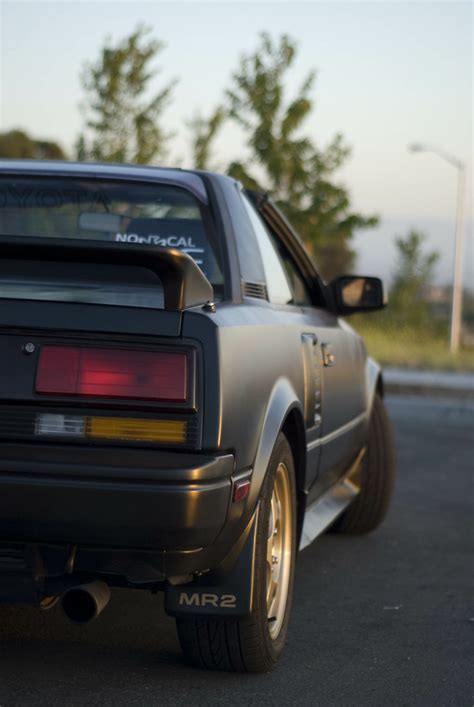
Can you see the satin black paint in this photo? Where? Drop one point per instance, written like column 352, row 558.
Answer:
column 138, row 515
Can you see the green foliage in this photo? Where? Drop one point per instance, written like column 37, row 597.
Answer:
column 285, row 162
column 16, row 144
column 412, row 278
column 123, row 125
column 411, row 347
column 203, row 134
column 407, row 332
column 468, row 309
column 122, row 119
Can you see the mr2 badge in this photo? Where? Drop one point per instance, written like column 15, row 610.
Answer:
column 223, row 601
column 206, row 600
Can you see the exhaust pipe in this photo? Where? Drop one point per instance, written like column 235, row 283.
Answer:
column 84, row 603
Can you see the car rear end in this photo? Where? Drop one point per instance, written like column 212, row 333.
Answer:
column 109, row 461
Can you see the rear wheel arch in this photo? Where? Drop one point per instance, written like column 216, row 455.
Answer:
column 284, row 413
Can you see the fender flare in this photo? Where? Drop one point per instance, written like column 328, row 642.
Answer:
column 282, row 401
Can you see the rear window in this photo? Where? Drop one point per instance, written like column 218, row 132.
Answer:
column 101, row 210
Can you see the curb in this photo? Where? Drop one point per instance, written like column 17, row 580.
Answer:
column 412, row 381
column 428, row 391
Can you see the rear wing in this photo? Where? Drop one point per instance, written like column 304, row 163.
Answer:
column 184, row 284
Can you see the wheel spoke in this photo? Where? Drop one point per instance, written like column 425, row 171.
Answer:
column 278, row 559
column 270, row 552
column 271, row 522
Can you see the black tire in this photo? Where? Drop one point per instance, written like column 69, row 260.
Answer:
column 245, row 644
column 377, row 476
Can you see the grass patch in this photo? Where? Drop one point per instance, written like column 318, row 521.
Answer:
column 408, row 348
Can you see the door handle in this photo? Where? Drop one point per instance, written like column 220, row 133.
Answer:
column 312, row 379
column 329, row 357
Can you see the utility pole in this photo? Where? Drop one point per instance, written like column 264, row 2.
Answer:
column 456, row 303
column 456, row 310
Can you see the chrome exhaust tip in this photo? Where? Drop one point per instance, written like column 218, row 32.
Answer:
column 84, row 603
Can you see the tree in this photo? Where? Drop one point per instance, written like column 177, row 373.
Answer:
column 285, row 162
column 203, row 134
column 413, row 277
column 122, row 118
column 16, row 144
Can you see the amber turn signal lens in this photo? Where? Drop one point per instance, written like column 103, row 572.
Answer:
column 132, row 429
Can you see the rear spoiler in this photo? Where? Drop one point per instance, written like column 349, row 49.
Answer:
column 184, row 284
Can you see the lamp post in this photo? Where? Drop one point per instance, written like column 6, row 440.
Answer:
column 456, row 307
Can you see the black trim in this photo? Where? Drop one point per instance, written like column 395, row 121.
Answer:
column 372, row 299
column 242, row 236
column 225, row 246
column 170, row 176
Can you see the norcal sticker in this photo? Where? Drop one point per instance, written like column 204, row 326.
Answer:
column 152, row 239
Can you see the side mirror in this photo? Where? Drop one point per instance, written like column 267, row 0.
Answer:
column 353, row 293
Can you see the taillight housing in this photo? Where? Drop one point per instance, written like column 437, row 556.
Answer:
column 113, row 373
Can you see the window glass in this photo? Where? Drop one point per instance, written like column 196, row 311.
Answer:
column 299, row 288
column 105, row 210
column 277, row 283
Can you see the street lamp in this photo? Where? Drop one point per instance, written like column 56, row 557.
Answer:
column 456, row 309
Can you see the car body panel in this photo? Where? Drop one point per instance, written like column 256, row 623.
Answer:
column 260, row 368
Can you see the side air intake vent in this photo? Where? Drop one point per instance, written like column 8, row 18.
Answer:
column 254, row 289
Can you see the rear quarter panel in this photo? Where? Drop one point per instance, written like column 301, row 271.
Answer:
column 250, row 353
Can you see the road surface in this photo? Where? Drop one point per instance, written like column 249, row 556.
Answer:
column 385, row 619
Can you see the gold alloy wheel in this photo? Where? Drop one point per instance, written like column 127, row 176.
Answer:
column 279, row 550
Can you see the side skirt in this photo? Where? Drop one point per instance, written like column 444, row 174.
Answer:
column 331, row 504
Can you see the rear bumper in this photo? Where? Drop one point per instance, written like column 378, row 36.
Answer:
column 114, row 498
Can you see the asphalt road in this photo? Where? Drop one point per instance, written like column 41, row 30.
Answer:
column 378, row 620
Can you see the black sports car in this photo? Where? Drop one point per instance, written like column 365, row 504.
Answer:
column 181, row 407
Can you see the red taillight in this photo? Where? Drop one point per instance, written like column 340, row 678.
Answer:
column 109, row 373
column 241, row 490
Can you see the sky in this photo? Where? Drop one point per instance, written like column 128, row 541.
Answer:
column 388, row 74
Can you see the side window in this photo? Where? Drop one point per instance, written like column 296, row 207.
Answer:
column 277, row 283
column 299, row 288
